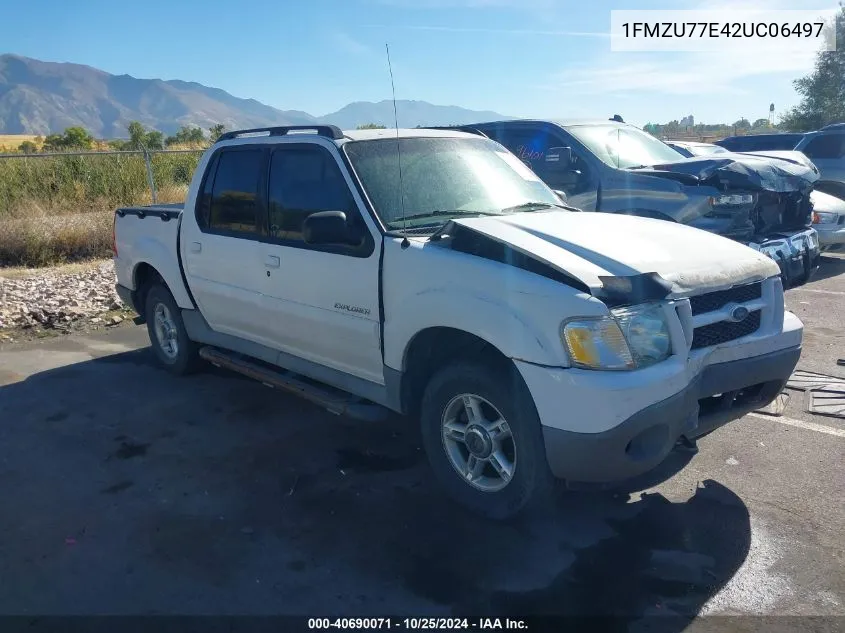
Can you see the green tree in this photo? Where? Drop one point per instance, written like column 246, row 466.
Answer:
column 27, row 147
column 154, row 140
column 186, row 135
column 137, row 135
column 823, row 90
column 215, row 131
column 142, row 138
column 73, row 138
column 760, row 123
column 372, row 126
column 742, row 124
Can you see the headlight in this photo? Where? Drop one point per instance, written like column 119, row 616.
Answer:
column 647, row 333
column 820, row 217
column 636, row 336
column 732, row 200
column 597, row 344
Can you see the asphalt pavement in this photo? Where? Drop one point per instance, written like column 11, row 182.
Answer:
column 128, row 491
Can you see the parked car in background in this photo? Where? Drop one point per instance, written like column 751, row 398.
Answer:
column 615, row 167
column 828, row 210
column 829, row 220
column 529, row 340
column 695, row 148
column 753, row 142
column 825, row 147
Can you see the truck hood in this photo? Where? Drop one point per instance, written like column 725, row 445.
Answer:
column 592, row 246
column 752, row 172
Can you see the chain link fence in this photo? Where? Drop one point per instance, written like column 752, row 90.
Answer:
column 80, row 182
column 58, row 206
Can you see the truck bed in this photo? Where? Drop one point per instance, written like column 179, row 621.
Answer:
column 171, row 210
column 150, row 234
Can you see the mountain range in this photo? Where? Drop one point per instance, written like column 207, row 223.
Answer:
column 38, row 97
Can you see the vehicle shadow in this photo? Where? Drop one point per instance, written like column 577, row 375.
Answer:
column 210, row 478
column 829, row 267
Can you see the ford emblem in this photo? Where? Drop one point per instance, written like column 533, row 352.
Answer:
column 739, row 313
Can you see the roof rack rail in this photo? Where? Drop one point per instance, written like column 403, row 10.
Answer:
column 329, row 131
column 469, row 129
column 833, row 126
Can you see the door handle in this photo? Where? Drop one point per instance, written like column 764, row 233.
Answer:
column 272, row 261
column 196, row 247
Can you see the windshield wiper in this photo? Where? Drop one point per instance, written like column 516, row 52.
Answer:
column 431, row 214
column 534, row 206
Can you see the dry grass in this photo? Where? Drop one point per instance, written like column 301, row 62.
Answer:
column 34, row 235
column 22, row 272
column 11, row 142
column 59, row 209
column 41, row 239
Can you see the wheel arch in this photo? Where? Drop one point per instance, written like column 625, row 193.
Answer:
column 435, row 347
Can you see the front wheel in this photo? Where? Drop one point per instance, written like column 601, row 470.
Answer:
column 173, row 350
column 483, row 440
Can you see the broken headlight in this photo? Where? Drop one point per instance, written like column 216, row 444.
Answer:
column 596, row 343
column 633, row 337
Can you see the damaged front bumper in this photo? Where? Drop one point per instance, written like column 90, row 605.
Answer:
column 719, row 394
column 796, row 253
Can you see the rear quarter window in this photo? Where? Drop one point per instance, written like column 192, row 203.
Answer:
column 230, row 200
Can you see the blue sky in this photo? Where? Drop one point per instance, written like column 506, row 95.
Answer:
column 527, row 58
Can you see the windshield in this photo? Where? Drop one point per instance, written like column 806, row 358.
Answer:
column 624, row 146
column 444, row 178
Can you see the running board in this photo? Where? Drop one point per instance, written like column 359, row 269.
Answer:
column 333, row 400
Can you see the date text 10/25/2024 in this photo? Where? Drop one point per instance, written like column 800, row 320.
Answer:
column 413, row 624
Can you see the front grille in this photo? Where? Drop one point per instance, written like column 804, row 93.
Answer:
column 713, row 301
column 724, row 331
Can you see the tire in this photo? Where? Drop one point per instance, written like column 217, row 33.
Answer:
column 499, row 393
column 172, row 348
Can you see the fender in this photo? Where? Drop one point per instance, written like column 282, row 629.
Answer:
column 480, row 314
column 160, row 257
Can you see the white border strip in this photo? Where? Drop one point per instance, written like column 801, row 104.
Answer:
column 809, row 426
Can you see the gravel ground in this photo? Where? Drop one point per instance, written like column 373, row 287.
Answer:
column 60, row 299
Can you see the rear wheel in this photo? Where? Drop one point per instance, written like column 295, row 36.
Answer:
column 169, row 340
column 483, row 440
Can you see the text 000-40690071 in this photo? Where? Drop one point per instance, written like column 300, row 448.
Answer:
column 415, row 624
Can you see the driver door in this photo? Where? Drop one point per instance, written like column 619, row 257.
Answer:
column 320, row 303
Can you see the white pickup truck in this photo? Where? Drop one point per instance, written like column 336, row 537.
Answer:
column 530, row 340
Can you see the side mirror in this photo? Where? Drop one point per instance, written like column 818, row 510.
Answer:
column 558, row 158
column 560, row 194
column 328, row 227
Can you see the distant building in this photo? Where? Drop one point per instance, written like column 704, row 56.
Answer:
column 688, row 122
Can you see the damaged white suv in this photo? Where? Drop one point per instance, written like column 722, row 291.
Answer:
column 530, row 340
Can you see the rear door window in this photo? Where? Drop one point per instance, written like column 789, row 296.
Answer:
column 235, row 204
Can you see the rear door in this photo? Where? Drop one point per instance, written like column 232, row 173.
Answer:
column 320, row 303
column 223, row 260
